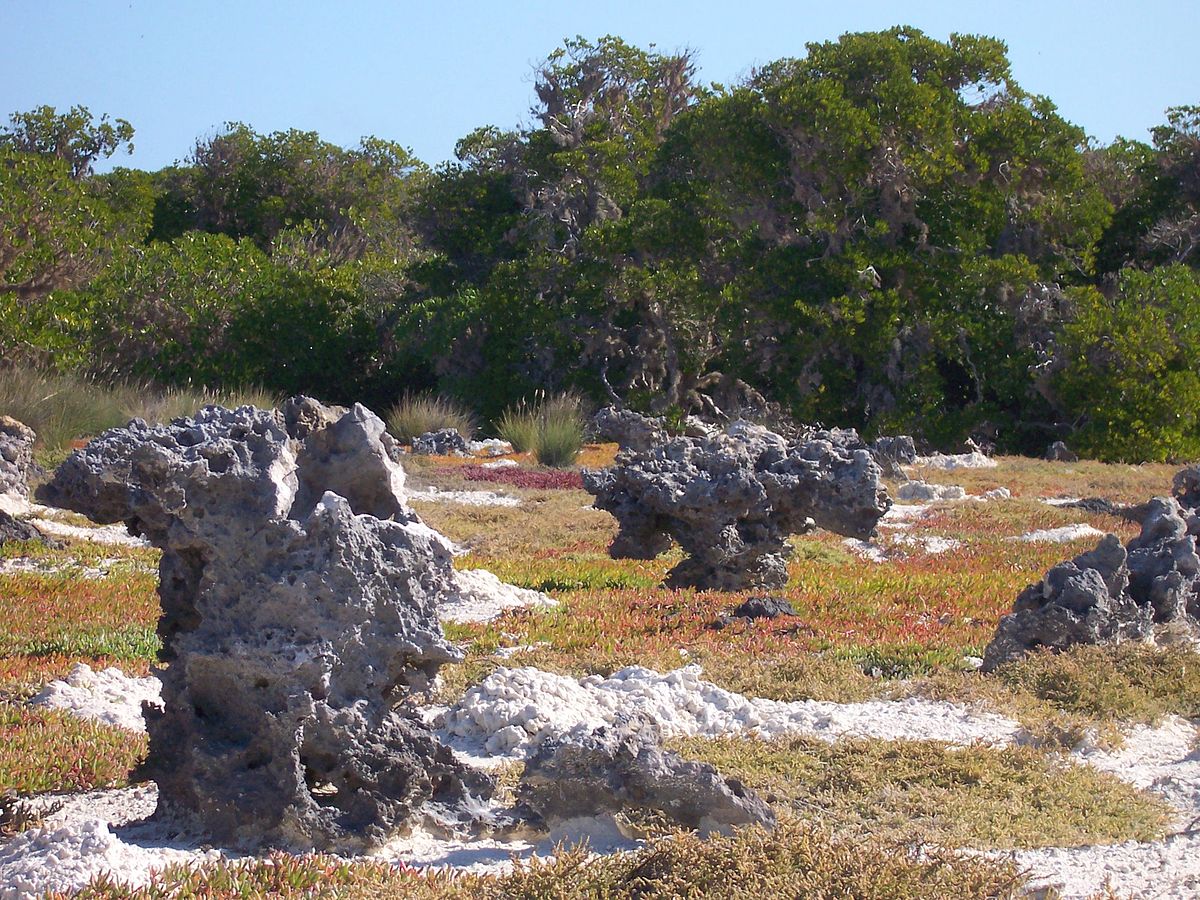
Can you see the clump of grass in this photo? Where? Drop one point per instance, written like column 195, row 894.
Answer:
column 552, row 428
column 415, row 414
column 158, row 405
column 60, row 408
column 63, row 407
column 951, row 796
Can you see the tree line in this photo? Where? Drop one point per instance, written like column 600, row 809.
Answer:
column 886, row 233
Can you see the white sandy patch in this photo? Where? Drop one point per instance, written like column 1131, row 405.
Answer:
column 1061, row 535
column 1000, row 493
column 1162, row 760
column 490, row 447
column 514, row 710
column 868, row 550
column 14, row 504
column 948, row 462
column 102, row 569
column 1058, row 501
column 929, row 543
column 925, row 492
column 903, row 515
column 466, row 498
column 482, row 597
column 501, row 464
column 109, row 696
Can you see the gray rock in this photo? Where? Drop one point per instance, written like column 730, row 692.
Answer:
column 14, row 529
column 16, row 458
column 1060, row 452
column 299, row 599
column 894, row 451
column 755, row 608
column 630, row 430
column 1147, row 590
column 624, row 766
column 732, row 500
column 443, row 442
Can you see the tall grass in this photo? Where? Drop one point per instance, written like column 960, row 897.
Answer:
column 552, row 428
column 62, row 407
column 415, row 414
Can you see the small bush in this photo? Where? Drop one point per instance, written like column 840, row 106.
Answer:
column 552, row 428
column 519, row 426
column 415, row 414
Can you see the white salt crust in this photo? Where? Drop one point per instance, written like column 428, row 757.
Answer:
column 1062, row 535
column 482, row 597
column 464, row 498
column 950, row 461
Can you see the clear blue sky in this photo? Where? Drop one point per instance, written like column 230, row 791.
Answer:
column 424, row 74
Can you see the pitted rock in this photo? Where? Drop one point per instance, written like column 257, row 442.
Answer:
column 1148, row 590
column 299, row 613
column 624, row 766
column 732, row 500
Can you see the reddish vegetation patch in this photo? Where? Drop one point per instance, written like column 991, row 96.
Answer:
column 533, row 479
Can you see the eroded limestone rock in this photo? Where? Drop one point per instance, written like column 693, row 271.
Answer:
column 1146, row 590
column 16, row 464
column 299, row 600
column 732, row 500
column 624, row 766
column 629, row 430
column 443, row 442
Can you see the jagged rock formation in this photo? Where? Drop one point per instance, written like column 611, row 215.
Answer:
column 299, row 599
column 893, row 451
column 443, row 442
column 1060, row 452
column 623, row 766
column 16, row 464
column 1147, row 590
column 629, row 430
column 14, row 529
column 732, row 500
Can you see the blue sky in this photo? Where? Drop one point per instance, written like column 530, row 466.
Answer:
column 424, row 74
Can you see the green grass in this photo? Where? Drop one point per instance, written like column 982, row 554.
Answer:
column 925, row 791
column 63, row 407
column 415, row 414
column 551, row 428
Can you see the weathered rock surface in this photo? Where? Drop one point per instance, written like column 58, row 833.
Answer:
column 893, row 451
column 755, row 608
column 732, row 500
column 623, row 766
column 443, row 442
column 1060, row 452
column 16, row 463
column 1147, row 590
column 629, row 430
column 299, row 602
column 14, row 529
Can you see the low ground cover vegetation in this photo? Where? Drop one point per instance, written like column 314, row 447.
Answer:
column 906, row 627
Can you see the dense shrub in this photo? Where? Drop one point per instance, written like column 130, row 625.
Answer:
column 552, row 428
column 1132, row 367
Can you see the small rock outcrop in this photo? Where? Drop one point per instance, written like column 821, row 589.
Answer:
column 755, row 608
column 16, row 464
column 299, row 614
column 14, row 529
column 1060, row 452
column 732, row 500
column 623, row 766
column 629, row 430
column 443, row 442
column 894, row 451
column 1146, row 590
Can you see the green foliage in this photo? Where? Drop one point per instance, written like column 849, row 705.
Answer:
column 243, row 184
column 415, row 414
column 1132, row 367
column 552, row 428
